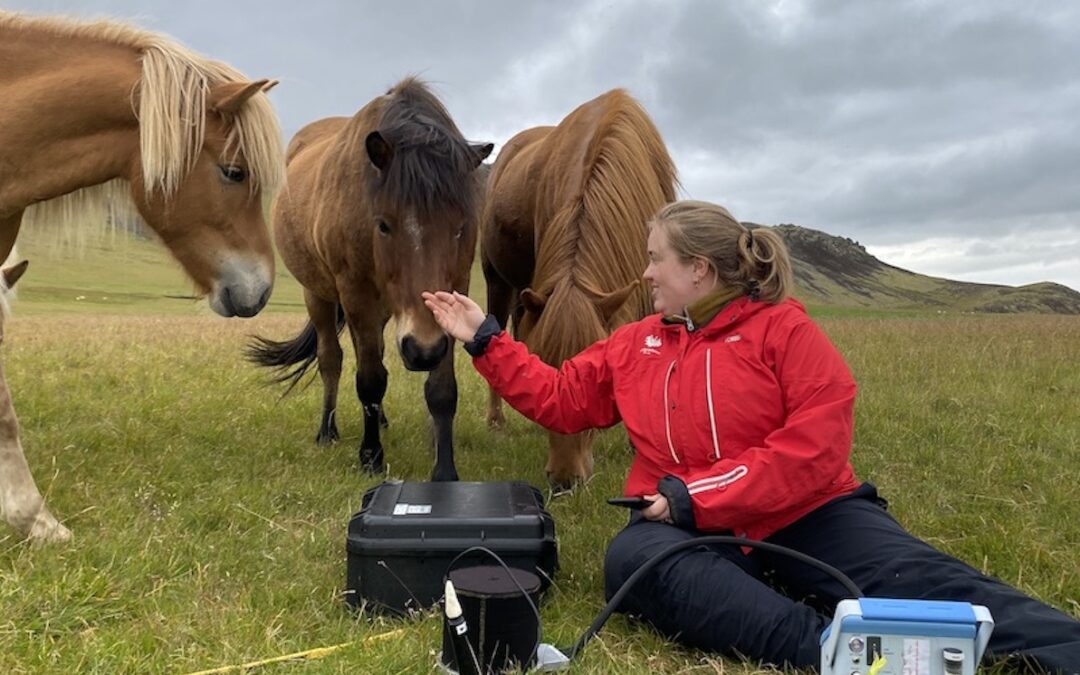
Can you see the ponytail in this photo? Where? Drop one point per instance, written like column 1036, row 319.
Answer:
column 765, row 267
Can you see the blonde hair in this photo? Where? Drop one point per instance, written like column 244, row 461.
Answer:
column 756, row 261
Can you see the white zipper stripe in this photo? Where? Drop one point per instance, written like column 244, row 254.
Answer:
column 718, row 481
column 708, row 394
column 667, row 416
column 713, row 479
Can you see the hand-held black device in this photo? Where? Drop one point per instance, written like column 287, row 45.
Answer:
column 630, row 502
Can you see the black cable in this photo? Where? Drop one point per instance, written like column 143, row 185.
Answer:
column 609, row 609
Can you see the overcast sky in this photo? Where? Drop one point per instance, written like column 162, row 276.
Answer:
column 943, row 136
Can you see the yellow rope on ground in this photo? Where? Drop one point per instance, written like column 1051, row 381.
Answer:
column 309, row 654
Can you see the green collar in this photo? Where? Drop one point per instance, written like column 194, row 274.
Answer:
column 704, row 309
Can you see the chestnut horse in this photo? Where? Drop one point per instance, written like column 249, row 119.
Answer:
column 563, row 240
column 380, row 206
column 96, row 117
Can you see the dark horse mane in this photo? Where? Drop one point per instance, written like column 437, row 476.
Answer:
column 433, row 163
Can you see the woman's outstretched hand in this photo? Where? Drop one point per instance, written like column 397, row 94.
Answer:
column 458, row 315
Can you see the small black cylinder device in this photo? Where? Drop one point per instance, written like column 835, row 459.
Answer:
column 503, row 629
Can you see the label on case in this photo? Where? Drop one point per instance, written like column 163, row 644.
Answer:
column 411, row 509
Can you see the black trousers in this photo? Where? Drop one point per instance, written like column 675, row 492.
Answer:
column 718, row 599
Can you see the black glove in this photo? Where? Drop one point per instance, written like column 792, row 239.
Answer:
column 679, row 504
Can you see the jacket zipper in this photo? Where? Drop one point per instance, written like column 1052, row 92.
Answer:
column 667, row 412
column 709, row 400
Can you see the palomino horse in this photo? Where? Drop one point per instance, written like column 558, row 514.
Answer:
column 563, row 239
column 99, row 115
column 379, row 207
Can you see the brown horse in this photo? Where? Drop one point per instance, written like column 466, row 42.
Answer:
column 380, row 206
column 96, row 117
column 563, row 239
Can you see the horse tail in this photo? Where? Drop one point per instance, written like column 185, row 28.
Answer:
column 299, row 353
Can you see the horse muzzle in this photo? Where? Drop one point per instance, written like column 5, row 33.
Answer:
column 242, row 289
column 418, row 357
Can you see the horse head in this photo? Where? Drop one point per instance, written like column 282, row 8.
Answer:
column 210, row 216
column 425, row 192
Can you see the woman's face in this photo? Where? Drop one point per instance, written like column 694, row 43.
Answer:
column 670, row 279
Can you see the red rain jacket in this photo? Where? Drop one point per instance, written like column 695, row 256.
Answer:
column 752, row 411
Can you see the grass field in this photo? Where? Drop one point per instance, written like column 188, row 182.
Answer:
column 209, row 529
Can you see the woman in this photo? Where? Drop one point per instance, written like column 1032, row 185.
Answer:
column 740, row 411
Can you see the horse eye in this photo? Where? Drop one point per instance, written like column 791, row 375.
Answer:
column 460, row 231
column 383, row 227
column 233, row 173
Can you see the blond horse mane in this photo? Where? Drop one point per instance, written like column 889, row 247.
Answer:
column 596, row 243
column 171, row 110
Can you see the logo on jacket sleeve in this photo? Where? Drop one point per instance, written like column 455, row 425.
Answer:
column 652, row 345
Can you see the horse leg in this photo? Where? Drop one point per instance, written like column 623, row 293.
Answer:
column 440, row 392
column 21, row 504
column 323, row 316
column 371, row 380
column 501, row 297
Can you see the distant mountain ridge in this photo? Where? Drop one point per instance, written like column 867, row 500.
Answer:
column 836, row 271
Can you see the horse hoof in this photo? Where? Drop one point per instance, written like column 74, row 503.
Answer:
column 496, row 422
column 371, row 461
column 373, row 467
column 444, row 476
column 48, row 531
column 326, row 437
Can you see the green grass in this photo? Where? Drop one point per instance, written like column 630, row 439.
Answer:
column 209, row 529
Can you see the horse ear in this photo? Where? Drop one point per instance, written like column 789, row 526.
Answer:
column 613, row 302
column 229, row 97
column 14, row 273
column 481, row 152
column 379, row 151
column 270, row 85
column 532, row 301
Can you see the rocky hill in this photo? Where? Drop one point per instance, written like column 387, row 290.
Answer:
column 836, row 271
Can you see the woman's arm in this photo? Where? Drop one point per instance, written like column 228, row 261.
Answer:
column 575, row 397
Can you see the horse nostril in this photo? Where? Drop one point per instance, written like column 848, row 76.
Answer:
column 226, row 302
column 264, row 298
column 408, row 348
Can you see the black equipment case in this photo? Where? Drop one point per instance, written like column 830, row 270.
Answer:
column 406, row 534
